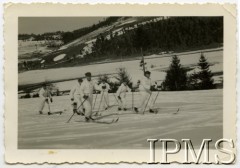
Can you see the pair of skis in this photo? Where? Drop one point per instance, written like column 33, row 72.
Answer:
column 156, row 111
column 99, row 120
column 95, row 120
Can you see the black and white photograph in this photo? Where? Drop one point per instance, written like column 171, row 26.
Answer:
column 113, row 82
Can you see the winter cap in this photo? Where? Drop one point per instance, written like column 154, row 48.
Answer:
column 80, row 80
column 147, row 72
column 88, row 74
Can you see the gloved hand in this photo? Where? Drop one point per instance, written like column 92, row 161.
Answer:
column 74, row 106
column 119, row 98
column 72, row 99
column 51, row 100
column 46, row 100
column 104, row 87
column 152, row 88
column 85, row 97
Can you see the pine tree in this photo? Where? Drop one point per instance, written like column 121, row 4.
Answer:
column 123, row 76
column 176, row 78
column 205, row 75
column 103, row 77
column 193, row 81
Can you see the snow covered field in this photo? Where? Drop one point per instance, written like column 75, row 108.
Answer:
column 200, row 116
column 157, row 64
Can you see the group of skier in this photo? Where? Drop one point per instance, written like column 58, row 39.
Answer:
column 82, row 93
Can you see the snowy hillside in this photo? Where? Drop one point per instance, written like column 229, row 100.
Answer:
column 27, row 49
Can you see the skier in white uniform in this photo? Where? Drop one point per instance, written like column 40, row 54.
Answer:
column 145, row 93
column 77, row 97
column 104, row 87
column 121, row 95
column 87, row 88
column 44, row 97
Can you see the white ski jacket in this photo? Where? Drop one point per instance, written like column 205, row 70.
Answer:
column 145, row 84
column 44, row 93
column 87, row 87
column 76, row 90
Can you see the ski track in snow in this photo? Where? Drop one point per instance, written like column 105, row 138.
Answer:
column 200, row 117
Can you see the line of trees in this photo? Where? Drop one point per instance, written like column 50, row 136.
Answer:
column 177, row 78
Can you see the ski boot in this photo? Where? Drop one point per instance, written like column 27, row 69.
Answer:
column 151, row 111
column 136, row 109
column 88, row 119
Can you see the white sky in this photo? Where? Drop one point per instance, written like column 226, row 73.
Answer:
column 39, row 25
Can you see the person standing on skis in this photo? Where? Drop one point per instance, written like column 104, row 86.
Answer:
column 76, row 97
column 87, row 87
column 121, row 95
column 145, row 93
column 104, row 87
column 44, row 97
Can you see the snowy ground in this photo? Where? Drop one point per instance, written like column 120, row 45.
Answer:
column 27, row 48
column 200, row 116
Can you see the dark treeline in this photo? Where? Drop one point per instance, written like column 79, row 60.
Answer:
column 175, row 33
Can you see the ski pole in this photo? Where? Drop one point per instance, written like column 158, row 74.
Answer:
column 147, row 102
column 132, row 100
column 100, row 104
column 49, row 108
column 105, row 100
column 74, row 112
column 95, row 100
column 115, row 98
column 156, row 98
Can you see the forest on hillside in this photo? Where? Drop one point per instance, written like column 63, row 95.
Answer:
column 172, row 34
column 169, row 35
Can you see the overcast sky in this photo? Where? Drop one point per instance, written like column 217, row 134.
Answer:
column 39, row 25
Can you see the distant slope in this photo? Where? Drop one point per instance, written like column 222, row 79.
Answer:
column 124, row 38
